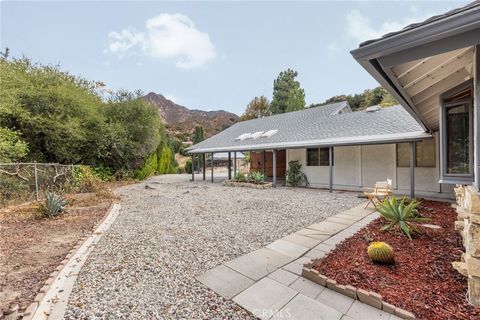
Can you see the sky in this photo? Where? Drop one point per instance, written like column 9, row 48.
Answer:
column 208, row 55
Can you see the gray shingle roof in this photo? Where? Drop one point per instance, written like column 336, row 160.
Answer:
column 475, row 5
column 318, row 126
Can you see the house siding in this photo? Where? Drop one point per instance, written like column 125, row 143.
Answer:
column 356, row 167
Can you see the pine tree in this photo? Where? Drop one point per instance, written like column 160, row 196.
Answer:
column 287, row 94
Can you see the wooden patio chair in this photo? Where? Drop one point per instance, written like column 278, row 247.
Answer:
column 381, row 190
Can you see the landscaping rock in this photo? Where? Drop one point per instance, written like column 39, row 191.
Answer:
column 145, row 265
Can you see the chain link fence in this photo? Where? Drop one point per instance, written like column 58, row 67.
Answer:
column 29, row 181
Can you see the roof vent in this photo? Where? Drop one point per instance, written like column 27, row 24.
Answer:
column 373, row 109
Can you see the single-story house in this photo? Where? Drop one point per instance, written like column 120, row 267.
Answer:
column 366, row 146
column 426, row 145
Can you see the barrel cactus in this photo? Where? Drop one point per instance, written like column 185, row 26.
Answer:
column 381, row 252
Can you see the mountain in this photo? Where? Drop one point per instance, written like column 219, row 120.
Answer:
column 181, row 121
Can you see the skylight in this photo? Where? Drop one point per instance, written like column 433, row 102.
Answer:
column 269, row 133
column 243, row 136
column 256, row 135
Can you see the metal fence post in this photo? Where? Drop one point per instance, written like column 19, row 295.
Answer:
column 36, row 180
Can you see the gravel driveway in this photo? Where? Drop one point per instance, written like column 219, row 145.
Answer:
column 145, row 266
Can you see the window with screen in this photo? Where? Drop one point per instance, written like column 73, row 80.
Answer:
column 424, row 154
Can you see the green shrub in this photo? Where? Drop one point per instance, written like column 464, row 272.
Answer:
column 166, row 162
column 148, row 168
column 103, row 173
column 53, row 205
column 397, row 213
column 240, row 177
column 181, row 170
column 295, row 176
column 188, row 166
column 257, row 177
column 83, row 179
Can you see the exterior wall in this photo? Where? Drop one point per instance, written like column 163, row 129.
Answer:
column 356, row 167
column 256, row 162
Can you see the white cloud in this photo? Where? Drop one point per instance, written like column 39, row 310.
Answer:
column 120, row 43
column 361, row 28
column 166, row 36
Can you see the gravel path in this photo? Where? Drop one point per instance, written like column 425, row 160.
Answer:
column 145, row 266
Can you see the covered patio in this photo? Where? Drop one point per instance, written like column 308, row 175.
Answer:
column 433, row 69
column 326, row 130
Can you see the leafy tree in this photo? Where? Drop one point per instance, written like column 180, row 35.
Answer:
column 198, row 135
column 258, row 107
column 12, row 147
column 359, row 101
column 66, row 119
column 132, row 126
column 287, row 94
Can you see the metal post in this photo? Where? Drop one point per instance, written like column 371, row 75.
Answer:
column 193, row 167
column 198, row 164
column 204, row 166
column 412, row 170
column 235, row 163
column 274, row 168
column 330, row 169
column 263, row 162
column 36, row 180
column 211, row 164
column 229, row 166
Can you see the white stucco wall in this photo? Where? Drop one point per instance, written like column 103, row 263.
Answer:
column 356, row 167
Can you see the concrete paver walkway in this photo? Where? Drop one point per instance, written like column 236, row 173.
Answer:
column 268, row 281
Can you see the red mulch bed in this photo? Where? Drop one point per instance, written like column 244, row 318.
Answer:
column 422, row 280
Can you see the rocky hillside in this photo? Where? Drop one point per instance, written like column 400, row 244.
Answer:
column 181, row 121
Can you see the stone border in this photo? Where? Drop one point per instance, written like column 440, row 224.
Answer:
column 48, row 294
column 369, row 297
column 233, row 183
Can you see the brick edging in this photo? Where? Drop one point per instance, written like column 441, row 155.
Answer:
column 32, row 308
column 369, row 297
column 232, row 183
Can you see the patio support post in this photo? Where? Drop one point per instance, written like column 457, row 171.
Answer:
column 229, row 166
column 330, row 169
column 274, row 168
column 204, row 166
column 198, row 163
column 193, row 165
column 235, row 163
column 263, row 162
column 211, row 165
column 412, row 170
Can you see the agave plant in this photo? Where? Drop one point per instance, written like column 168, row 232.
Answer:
column 400, row 214
column 53, row 205
column 257, row 177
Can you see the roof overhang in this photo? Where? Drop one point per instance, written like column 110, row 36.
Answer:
column 445, row 41
column 346, row 141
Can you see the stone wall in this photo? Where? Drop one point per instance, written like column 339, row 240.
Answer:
column 468, row 224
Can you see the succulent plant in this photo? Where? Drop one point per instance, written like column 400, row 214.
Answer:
column 257, row 177
column 240, row 177
column 53, row 205
column 381, row 252
column 401, row 213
